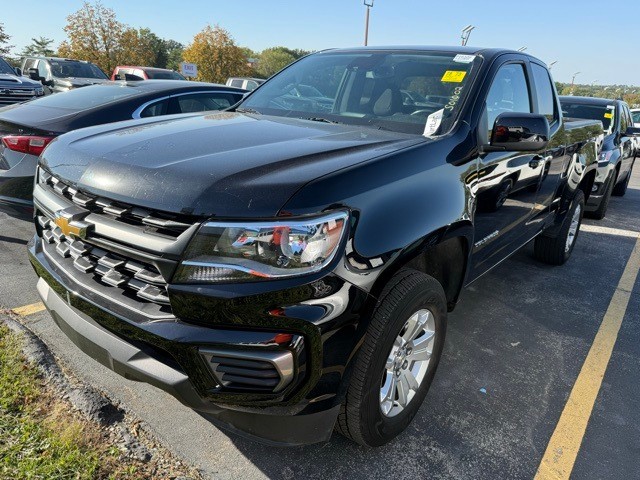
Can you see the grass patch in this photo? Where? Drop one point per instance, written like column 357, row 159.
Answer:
column 41, row 437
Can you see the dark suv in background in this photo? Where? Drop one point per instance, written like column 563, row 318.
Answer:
column 616, row 159
column 15, row 88
column 62, row 74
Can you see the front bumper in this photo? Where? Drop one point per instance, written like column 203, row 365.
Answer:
column 165, row 354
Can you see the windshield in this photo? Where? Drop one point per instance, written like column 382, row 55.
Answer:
column 164, row 75
column 87, row 97
column 604, row 113
column 636, row 116
column 68, row 69
column 5, row 67
column 415, row 93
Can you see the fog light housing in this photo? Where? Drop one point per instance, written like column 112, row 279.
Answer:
column 258, row 370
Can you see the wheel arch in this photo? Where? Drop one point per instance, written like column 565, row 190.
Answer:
column 442, row 254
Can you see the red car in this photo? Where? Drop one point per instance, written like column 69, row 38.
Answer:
column 126, row 72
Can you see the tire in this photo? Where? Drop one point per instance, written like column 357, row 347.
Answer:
column 621, row 189
column 557, row 250
column 604, row 203
column 361, row 415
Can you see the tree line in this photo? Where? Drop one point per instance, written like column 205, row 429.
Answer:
column 95, row 34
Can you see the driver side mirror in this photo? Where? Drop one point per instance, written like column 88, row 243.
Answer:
column 518, row 132
column 18, row 71
column 33, row 74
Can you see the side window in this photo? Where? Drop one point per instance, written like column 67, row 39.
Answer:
column 629, row 117
column 156, row 109
column 251, row 85
column 236, row 82
column 624, row 123
column 29, row 63
column 139, row 73
column 202, row 102
column 509, row 92
column 546, row 99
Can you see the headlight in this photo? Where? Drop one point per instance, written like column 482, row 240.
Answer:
column 605, row 156
column 223, row 252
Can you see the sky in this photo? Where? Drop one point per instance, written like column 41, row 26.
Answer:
column 575, row 33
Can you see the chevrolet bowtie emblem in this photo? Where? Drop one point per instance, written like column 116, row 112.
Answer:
column 70, row 222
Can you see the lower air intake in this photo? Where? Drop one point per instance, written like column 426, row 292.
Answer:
column 266, row 371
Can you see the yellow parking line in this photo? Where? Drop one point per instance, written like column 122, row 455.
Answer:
column 29, row 309
column 561, row 453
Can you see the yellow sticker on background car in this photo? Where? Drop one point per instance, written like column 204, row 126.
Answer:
column 608, row 115
column 453, row 76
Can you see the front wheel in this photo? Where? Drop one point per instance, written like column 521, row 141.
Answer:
column 557, row 249
column 397, row 361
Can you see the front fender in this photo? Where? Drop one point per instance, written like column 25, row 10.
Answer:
column 401, row 205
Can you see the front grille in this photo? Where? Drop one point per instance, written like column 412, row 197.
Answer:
column 134, row 278
column 257, row 370
column 124, row 254
column 9, row 96
column 166, row 224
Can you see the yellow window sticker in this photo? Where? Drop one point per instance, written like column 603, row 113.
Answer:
column 608, row 115
column 453, row 76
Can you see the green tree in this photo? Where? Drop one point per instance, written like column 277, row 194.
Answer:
column 216, row 55
column 5, row 48
column 174, row 54
column 94, row 34
column 274, row 59
column 39, row 46
column 136, row 48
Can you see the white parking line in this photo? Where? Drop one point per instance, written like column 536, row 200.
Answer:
column 609, row 231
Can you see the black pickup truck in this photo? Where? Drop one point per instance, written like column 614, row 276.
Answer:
column 286, row 267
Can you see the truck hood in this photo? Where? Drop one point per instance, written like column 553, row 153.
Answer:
column 224, row 164
column 9, row 81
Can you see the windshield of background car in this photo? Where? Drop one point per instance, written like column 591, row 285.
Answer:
column 65, row 69
column 159, row 75
column 604, row 113
column 6, row 68
column 636, row 116
column 86, row 97
column 416, row 93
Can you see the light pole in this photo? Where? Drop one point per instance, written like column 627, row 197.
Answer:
column 552, row 64
column 466, row 31
column 573, row 81
column 522, row 49
column 368, row 4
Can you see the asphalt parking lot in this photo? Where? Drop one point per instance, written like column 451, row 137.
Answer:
column 515, row 347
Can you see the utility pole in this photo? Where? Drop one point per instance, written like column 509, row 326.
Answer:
column 466, row 31
column 368, row 4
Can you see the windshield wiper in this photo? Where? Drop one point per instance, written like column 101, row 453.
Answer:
column 247, row 110
column 320, row 119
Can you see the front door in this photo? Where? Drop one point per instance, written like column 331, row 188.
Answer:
column 508, row 182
